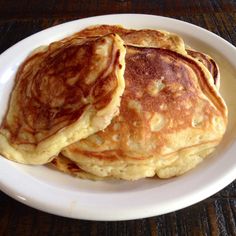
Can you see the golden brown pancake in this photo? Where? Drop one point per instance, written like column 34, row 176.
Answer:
column 209, row 63
column 63, row 93
column 171, row 117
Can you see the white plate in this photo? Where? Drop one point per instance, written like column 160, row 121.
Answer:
column 57, row 193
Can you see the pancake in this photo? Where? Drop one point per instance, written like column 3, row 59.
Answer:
column 171, row 118
column 209, row 63
column 63, row 93
column 67, row 166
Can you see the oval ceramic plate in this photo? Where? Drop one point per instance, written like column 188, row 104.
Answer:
column 60, row 194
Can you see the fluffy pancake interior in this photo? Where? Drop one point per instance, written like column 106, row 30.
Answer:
column 63, row 93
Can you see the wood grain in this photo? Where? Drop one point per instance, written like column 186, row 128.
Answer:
column 213, row 216
column 76, row 9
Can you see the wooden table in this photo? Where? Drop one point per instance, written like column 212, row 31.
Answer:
column 213, row 216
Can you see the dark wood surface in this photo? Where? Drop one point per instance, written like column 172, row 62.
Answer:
column 213, row 216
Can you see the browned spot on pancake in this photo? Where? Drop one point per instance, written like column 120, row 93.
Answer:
column 54, row 161
column 73, row 167
column 62, row 163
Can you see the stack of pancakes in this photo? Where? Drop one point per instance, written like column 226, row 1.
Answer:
column 110, row 102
